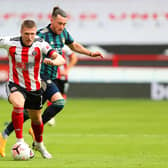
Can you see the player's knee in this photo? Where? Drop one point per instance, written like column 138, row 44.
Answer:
column 58, row 104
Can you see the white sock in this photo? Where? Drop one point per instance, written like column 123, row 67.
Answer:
column 20, row 140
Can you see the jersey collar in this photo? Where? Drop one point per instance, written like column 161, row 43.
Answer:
column 21, row 41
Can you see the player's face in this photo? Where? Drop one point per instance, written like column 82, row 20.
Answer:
column 28, row 35
column 58, row 24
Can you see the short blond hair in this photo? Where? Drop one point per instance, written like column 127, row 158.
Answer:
column 28, row 23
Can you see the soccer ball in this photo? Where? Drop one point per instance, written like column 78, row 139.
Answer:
column 21, row 151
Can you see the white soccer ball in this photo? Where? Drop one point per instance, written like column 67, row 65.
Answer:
column 21, row 151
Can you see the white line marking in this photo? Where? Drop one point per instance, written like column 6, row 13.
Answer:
column 106, row 135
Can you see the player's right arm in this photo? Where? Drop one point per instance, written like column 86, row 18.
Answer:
column 55, row 59
column 4, row 42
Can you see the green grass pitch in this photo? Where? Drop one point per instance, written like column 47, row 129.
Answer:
column 99, row 133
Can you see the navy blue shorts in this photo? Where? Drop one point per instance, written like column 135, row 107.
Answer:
column 49, row 89
column 62, row 85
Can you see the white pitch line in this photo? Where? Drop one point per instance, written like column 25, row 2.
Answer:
column 106, row 135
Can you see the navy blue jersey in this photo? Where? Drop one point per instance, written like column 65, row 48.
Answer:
column 56, row 42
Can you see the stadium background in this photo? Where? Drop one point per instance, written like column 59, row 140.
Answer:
column 97, row 132
column 132, row 34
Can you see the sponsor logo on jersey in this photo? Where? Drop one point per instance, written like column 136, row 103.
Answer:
column 20, row 65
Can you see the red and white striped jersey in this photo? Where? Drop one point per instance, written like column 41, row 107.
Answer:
column 66, row 53
column 25, row 62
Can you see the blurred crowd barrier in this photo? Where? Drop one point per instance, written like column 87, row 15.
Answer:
column 132, row 35
column 95, row 22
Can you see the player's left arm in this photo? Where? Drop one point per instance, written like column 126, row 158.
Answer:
column 82, row 50
column 72, row 62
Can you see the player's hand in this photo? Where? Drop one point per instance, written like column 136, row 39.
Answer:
column 96, row 54
column 48, row 61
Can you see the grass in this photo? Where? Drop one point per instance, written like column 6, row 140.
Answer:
column 100, row 133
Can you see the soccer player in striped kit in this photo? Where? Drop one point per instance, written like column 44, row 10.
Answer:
column 25, row 58
column 57, row 36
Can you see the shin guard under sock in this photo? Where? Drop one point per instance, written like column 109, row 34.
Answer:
column 9, row 129
column 17, row 119
column 38, row 131
column 52, row 110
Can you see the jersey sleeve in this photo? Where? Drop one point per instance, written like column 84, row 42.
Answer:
column 41, row 35
column 68, row 37
column 47, row 49
column 67, row 50
column 4, row 42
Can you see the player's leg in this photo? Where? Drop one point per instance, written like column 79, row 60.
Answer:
column 34, row 105
column 9, row 128
column 51, row 122
column 61, row 86
column 65, row 89
column 37, row 126
column 52, row 110
column 56, row 106
column 16, row 98
column 2, row 145
column 52, row 93
column 6, row 132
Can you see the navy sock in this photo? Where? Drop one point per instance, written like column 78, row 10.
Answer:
column 53, row 110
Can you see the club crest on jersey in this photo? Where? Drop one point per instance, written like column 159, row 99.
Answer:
column 63, row 40
column 34, row 53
